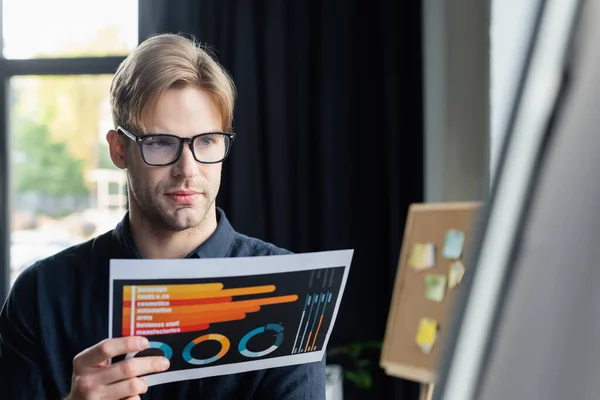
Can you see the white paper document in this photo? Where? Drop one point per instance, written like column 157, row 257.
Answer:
column 228, row 315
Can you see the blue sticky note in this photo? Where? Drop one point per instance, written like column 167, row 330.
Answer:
column 453, row 245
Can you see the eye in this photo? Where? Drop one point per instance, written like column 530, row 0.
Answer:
column 207, row 140
column 158, row 142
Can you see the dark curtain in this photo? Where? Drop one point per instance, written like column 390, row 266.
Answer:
column 329, row 147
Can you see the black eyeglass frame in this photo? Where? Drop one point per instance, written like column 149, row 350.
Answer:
column 140, row 139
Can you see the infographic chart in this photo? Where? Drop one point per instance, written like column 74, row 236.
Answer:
column 221, row 316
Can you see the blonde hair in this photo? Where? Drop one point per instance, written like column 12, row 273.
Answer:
column 163, row 62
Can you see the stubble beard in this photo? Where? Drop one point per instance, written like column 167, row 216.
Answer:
column 177, row 219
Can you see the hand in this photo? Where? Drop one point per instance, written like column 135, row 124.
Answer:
column 94, row 378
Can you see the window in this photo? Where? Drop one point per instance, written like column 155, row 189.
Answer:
column 63, row 188
column 69, row 28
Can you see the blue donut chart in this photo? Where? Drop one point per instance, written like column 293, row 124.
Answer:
column 243, row 346
column 165, row 348
column 187, row 351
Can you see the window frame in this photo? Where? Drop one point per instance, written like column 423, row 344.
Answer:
column 105, row 65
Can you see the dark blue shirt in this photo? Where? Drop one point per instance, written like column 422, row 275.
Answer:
column 59, row 307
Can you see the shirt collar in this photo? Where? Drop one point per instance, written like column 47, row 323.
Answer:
column 218, row 245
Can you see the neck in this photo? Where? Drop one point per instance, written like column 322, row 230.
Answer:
column 155, row 242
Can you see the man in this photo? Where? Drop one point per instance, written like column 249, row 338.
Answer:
column 172, row 108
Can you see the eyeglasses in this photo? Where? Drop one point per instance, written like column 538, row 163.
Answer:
column 162, row 149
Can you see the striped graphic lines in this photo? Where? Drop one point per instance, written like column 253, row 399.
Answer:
column 301, row 319
column 326, row 301
column 313, row 303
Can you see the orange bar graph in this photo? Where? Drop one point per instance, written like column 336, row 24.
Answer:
column 220, row 318
column 173, row 303
column 167, row 289
column 194, row 328
column 180, row 292
column 220, row 306
column 196, row 318
column 190, row 316
column 307, row 341
column 174, row 311
column 317, row 332
column 176, row 308
column 148, row 331
column 186, row 326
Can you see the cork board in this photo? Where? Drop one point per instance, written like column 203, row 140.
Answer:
column 426, row 223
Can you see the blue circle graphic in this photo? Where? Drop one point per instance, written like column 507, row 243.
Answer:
column 243, row 346
column 165, row 348
column 187, row 351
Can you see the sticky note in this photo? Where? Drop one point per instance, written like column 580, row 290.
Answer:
column 435, row 287
column 455, row 274
column 427, row 334
column 422, row 256
column 453, row 244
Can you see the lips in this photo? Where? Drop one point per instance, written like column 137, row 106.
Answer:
column 183, row 193
column 183, row 197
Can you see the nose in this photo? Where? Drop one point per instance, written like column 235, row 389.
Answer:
column 186, row 166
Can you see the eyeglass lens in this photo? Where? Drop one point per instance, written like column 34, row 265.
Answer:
column 165, row 149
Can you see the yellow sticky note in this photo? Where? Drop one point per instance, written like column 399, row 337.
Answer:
column 422, row 256
column 455, row 274
column 427, row 334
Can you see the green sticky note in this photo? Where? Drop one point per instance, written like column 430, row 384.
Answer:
column 435, row 287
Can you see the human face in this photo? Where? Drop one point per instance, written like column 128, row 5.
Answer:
column 178, row 196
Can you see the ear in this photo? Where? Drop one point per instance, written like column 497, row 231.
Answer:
column 117, row 148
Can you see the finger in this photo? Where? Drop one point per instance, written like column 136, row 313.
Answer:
column 107, row 349
column 126, row 389
column 131, row 368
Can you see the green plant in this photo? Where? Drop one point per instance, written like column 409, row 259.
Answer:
column 358, row 361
